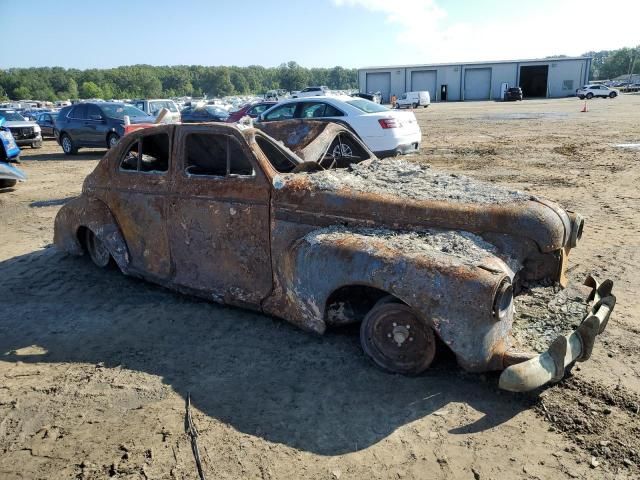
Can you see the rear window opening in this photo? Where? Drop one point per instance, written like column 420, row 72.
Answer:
column 341, row 153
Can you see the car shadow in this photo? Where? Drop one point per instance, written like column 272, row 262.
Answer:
column 257, row 374
column 28, row 156
column 50, row 203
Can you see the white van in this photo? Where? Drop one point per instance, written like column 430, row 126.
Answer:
column 413, row 100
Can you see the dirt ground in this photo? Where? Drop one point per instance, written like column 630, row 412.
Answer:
column 95, row 367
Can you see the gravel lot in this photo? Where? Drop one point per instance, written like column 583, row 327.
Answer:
column 95, row 367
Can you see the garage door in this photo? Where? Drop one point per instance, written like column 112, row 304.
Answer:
column 380, row 82
column 477, row 83
column 422, row 80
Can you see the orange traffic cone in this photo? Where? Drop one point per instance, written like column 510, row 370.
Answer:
column 584, row 109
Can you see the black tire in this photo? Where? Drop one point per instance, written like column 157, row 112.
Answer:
column 397, row 106
column 112, row 140
column 613, row 95
column 7, row 183
column 396, row 339
column 414, row 105
column 581, row 97
column 589, row 96
column 68, row 147
column 37, row 144
column 97, row 250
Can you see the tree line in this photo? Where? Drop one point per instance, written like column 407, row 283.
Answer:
column 608, row 64
column 146, row 81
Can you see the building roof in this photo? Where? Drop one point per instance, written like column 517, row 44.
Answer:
column 488, row 62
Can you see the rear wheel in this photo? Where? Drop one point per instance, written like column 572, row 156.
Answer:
column 97, row 250
column 613, row 95
column 396, row 339
column 7, row 183
column 414, row 105
column 589, row 96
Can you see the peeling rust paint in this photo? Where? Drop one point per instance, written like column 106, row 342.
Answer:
column 284, row 243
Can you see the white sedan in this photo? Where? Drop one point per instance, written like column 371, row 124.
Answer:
column 386, row 132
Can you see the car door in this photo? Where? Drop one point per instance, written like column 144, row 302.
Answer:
column 219, row 217
column 76, row 127
column 46, row 124
column 138, row 198
column 96, row 126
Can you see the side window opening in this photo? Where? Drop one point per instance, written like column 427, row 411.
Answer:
column 150, row 154
column 155, row 153
column 215, row 155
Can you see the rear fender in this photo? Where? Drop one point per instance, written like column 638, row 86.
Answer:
column 91, row 213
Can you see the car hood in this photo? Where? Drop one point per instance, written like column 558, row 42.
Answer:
column 19, row 123
column 401, row 194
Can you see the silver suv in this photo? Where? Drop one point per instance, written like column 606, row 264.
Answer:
column 153, row 106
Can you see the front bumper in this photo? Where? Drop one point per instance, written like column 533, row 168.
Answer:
column 564, row 351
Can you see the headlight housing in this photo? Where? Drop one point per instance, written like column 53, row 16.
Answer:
column 36, row 128
column 503, row 302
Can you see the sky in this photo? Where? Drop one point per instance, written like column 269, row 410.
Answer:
column 315, row 33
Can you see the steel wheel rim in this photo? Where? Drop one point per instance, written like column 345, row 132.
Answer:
column 397, row 339
column 97, row 250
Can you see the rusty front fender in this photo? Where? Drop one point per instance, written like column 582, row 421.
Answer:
column 454, row 293
column 89, row 212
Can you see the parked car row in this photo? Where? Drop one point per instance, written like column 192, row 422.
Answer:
column 102, row 124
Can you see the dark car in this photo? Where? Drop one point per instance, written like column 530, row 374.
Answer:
column 95, row 124
column 47, row 122
column 251, row 109
column 205, row 113
column 513, row 93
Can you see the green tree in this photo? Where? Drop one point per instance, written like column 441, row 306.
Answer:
column 72, row 88
column 90, row 90
column 21, row 93
column 620, row 62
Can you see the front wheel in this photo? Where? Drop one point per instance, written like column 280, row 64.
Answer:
column 613, row 95
column 396, row 339
column 97, row 250
column 581, row 97
column 414, row 105
column 7, row 183
column 112, row 140
column 68, row 147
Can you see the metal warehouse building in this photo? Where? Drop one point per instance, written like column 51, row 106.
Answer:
column 552, row 77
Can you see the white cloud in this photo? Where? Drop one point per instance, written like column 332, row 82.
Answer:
column 426, row 32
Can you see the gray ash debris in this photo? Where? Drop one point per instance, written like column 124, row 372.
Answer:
column 469, row 248
column 545, row 312
column 412, row 180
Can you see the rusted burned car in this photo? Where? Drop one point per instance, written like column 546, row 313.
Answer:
column 242, row 218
